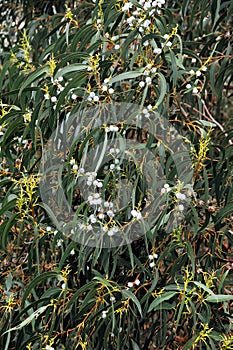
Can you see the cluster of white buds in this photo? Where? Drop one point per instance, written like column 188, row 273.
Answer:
column 112, row 128
column 132, row 284
column 93, row 97
column 136, row 214
column 142, row 16
column 166, row 188
column 152, row 257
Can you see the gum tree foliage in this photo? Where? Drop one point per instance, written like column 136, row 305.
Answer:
column 167, row 290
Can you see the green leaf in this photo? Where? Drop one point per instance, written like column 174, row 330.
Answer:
column 88, row 302
column 224, row 212
column 160, row 299
column 80, row 78
column 8, row 282
column 5, row 234
column 174, row 69
column 66, row 254
column 221, row 283
column 38, row 73
column 213, row 78
column 215, row 7
column 130, row 295
column 163, row 89
column 3, row 72
column 134, row 345
column 29, row 319
column 9, row 205
column 76, row 67
column 38, row 279
column 165, row 306
column 204, row 287
column 219, row 298
column 191, row 256
column 127, row 75
column 51, row 214
column 80, row 291
column 103, row 281
column 189, row 344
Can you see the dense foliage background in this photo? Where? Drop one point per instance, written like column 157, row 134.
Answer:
column 167, row 290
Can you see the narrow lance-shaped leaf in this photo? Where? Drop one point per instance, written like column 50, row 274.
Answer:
column 127, row 75
column 40, row 278
column 163, row 89
column 219, row 298
column 34, row 76
column 70, row 69
column 160, row 299
column 29, row 319
column 130, row 295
